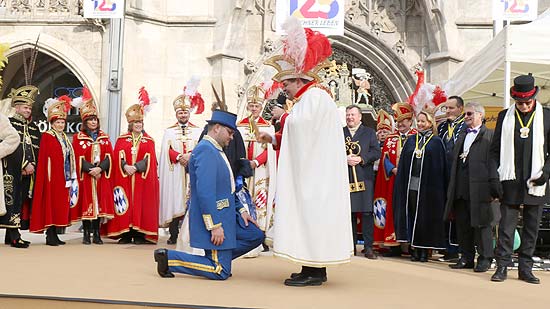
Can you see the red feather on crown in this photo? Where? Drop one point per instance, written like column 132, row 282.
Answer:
column 66, row 102
column 144, row 100
column 307, row 48
column 86, row 95
column 318, row 49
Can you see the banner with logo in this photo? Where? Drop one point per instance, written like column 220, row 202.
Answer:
column 103, row 8
column 325, row 16
column 515, row 9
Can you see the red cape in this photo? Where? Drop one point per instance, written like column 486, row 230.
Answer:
column 138, row 195
column 87, row 185
column 50, row 203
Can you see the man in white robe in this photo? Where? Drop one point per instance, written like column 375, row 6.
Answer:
column 312, row 223
column 177, row 144
column 262, row 159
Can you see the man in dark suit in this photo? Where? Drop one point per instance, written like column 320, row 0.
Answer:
column 469, row 196
column 362, row 149
column 449, row 131
column 520, row 149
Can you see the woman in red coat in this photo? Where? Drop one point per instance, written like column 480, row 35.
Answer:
column 56, row 186
column 93, row 153
column 135, row 181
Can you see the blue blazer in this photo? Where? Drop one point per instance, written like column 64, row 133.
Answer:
column 212, row 202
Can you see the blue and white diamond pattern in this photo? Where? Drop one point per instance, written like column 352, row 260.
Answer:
column 380, row 212
column 121, row 201
column 73, row 193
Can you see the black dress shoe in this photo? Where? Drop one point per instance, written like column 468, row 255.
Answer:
column 528, row 277
column 462, row 264
column 304, row 280
column 295, row 275
column 369, row 254
column 171, row 241
column 500, row 274
column 482, row 266
column 19, row 243
column 161, row 257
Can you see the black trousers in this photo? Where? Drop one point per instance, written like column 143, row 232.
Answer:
column 316, row 272
column 471, row 237
column 174, row 228
column 367, row 227
column 508, row 223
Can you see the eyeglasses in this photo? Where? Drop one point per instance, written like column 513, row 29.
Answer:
column 470, row 113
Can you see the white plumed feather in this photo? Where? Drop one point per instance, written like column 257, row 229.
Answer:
column 296, row 41
column 192, row 86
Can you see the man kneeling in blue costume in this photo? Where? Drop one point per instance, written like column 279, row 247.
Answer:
column 217, row 223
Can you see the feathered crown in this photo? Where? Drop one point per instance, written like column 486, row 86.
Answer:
column 85, row 104
column 305, row 53
column 191, row 99
column 136, row 112
column 426, row 97
column 57, row 108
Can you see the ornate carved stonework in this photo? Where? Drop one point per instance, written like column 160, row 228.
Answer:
column 269, row 46
column 59, row 6
column 399, row 47
column 381, row 95
column 41, row 8
column 21, row 6
column 250, row 67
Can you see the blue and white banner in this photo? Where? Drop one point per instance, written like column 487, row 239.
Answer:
column 103, row 8
column 325, row 16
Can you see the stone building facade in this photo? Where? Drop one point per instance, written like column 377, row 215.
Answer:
column 166, row 42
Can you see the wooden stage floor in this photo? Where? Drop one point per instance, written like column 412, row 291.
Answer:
column 44, row 276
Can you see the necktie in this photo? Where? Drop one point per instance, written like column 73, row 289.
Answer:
column 471, row 130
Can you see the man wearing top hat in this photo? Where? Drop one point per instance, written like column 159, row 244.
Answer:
column 212, row 212
column 21, row 166
column 520, row 149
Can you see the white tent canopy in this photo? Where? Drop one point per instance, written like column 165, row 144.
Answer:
column 526, row 47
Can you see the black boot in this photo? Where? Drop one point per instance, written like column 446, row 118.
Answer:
column 51, row 237
column 86, row 232
column 500, row 274
column 173, row 228
column 97, row 238
column 59, row 241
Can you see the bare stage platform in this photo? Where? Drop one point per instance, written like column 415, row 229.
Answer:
column 124, row 276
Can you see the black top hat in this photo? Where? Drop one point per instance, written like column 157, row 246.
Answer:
column 524, row 88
